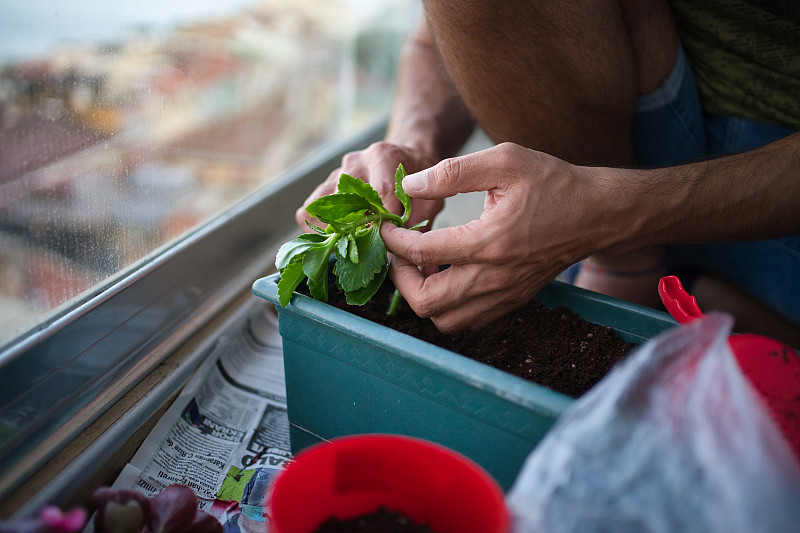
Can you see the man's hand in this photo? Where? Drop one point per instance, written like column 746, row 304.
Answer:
column 428, row 123
column 376, row 165
column 538, row 219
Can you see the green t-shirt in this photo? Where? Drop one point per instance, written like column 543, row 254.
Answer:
column 745, row 56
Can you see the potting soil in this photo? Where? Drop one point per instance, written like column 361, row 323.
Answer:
column 381, row 521
column 555, row 348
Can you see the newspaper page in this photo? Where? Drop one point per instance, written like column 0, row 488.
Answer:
column 227, row 434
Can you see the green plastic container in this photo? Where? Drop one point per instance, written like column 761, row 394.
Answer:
column 346, row 375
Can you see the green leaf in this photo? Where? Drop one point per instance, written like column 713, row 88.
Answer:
column 365, row 294
column 337, row 206
column 313, row 237
column 353, row 249
column 342, row 246
column 291, row 276
column 288, row 251
column 318, row 289
column 315, row 262
column 339, row 226
column 353, row 216
column 315, row 267
column 316, row 229
column 404, row 198
column 419, row 226
column 349, row 184
column 372, row 256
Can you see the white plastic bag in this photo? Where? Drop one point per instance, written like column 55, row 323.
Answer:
column 672, row 440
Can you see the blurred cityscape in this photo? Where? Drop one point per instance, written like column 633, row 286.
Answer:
column 110, row 151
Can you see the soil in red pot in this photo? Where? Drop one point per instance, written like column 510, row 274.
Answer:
column 381, row 521
column 555, row 348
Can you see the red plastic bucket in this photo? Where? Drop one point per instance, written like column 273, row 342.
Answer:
column 354, row 476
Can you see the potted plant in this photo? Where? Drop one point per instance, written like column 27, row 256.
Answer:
column 347, row 375
column 173, row 510
column 384, row 483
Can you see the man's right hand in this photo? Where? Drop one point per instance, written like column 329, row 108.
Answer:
column 541, row 214
column 376, row 165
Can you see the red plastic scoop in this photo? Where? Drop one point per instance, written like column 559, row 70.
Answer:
column 773, row 368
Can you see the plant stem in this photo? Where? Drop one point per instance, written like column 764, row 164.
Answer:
column 371, row 218
column 395, row 303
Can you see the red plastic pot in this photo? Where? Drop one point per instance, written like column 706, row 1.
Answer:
column 353, row 476
column 771, row 367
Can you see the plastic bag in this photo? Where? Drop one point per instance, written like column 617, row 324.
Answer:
column 673, row 439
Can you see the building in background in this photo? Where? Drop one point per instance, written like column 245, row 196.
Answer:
column 110, row 151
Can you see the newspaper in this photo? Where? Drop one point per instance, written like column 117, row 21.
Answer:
column 227, row 434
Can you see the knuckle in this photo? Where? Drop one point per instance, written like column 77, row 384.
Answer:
column 507, row 154
column 423, row 310
column 448, row 171
column 506, row 147
column 326, row 187
column 381, row 149
column 381, row 146
column 419, row 255
column 421, row 306
column 349, row 160
column 447, row 325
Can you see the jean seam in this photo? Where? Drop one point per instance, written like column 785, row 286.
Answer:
column 675, row 109
column 732, row 130
column 795, row 254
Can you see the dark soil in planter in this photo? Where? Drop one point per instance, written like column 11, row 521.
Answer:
column 555, row 348
column 381, row 521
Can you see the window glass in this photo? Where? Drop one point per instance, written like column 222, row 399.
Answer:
column 124, row 125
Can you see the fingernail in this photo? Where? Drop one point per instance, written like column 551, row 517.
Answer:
column 415, row 182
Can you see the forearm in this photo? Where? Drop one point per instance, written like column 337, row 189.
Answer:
column 427, row 114
column 747, row 196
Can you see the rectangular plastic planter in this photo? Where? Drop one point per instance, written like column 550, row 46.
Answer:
column 346, row 375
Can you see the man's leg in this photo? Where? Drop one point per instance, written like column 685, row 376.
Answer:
column 563, row 78
column 554, row 76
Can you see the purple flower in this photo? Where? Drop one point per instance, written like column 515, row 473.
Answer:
column 174, row 510
column 58, row 521
column 50, row 520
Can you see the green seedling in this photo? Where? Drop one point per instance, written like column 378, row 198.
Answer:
column 353, row 215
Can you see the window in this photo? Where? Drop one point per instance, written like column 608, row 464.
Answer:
column 127, row 124
column 150, row 152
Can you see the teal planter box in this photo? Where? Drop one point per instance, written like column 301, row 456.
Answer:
column 346, row 375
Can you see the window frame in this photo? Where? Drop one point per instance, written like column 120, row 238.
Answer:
column 65, row 373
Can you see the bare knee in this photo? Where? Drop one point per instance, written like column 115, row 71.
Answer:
column 558, row 77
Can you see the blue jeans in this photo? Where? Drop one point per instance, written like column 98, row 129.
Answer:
column 670, row 128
